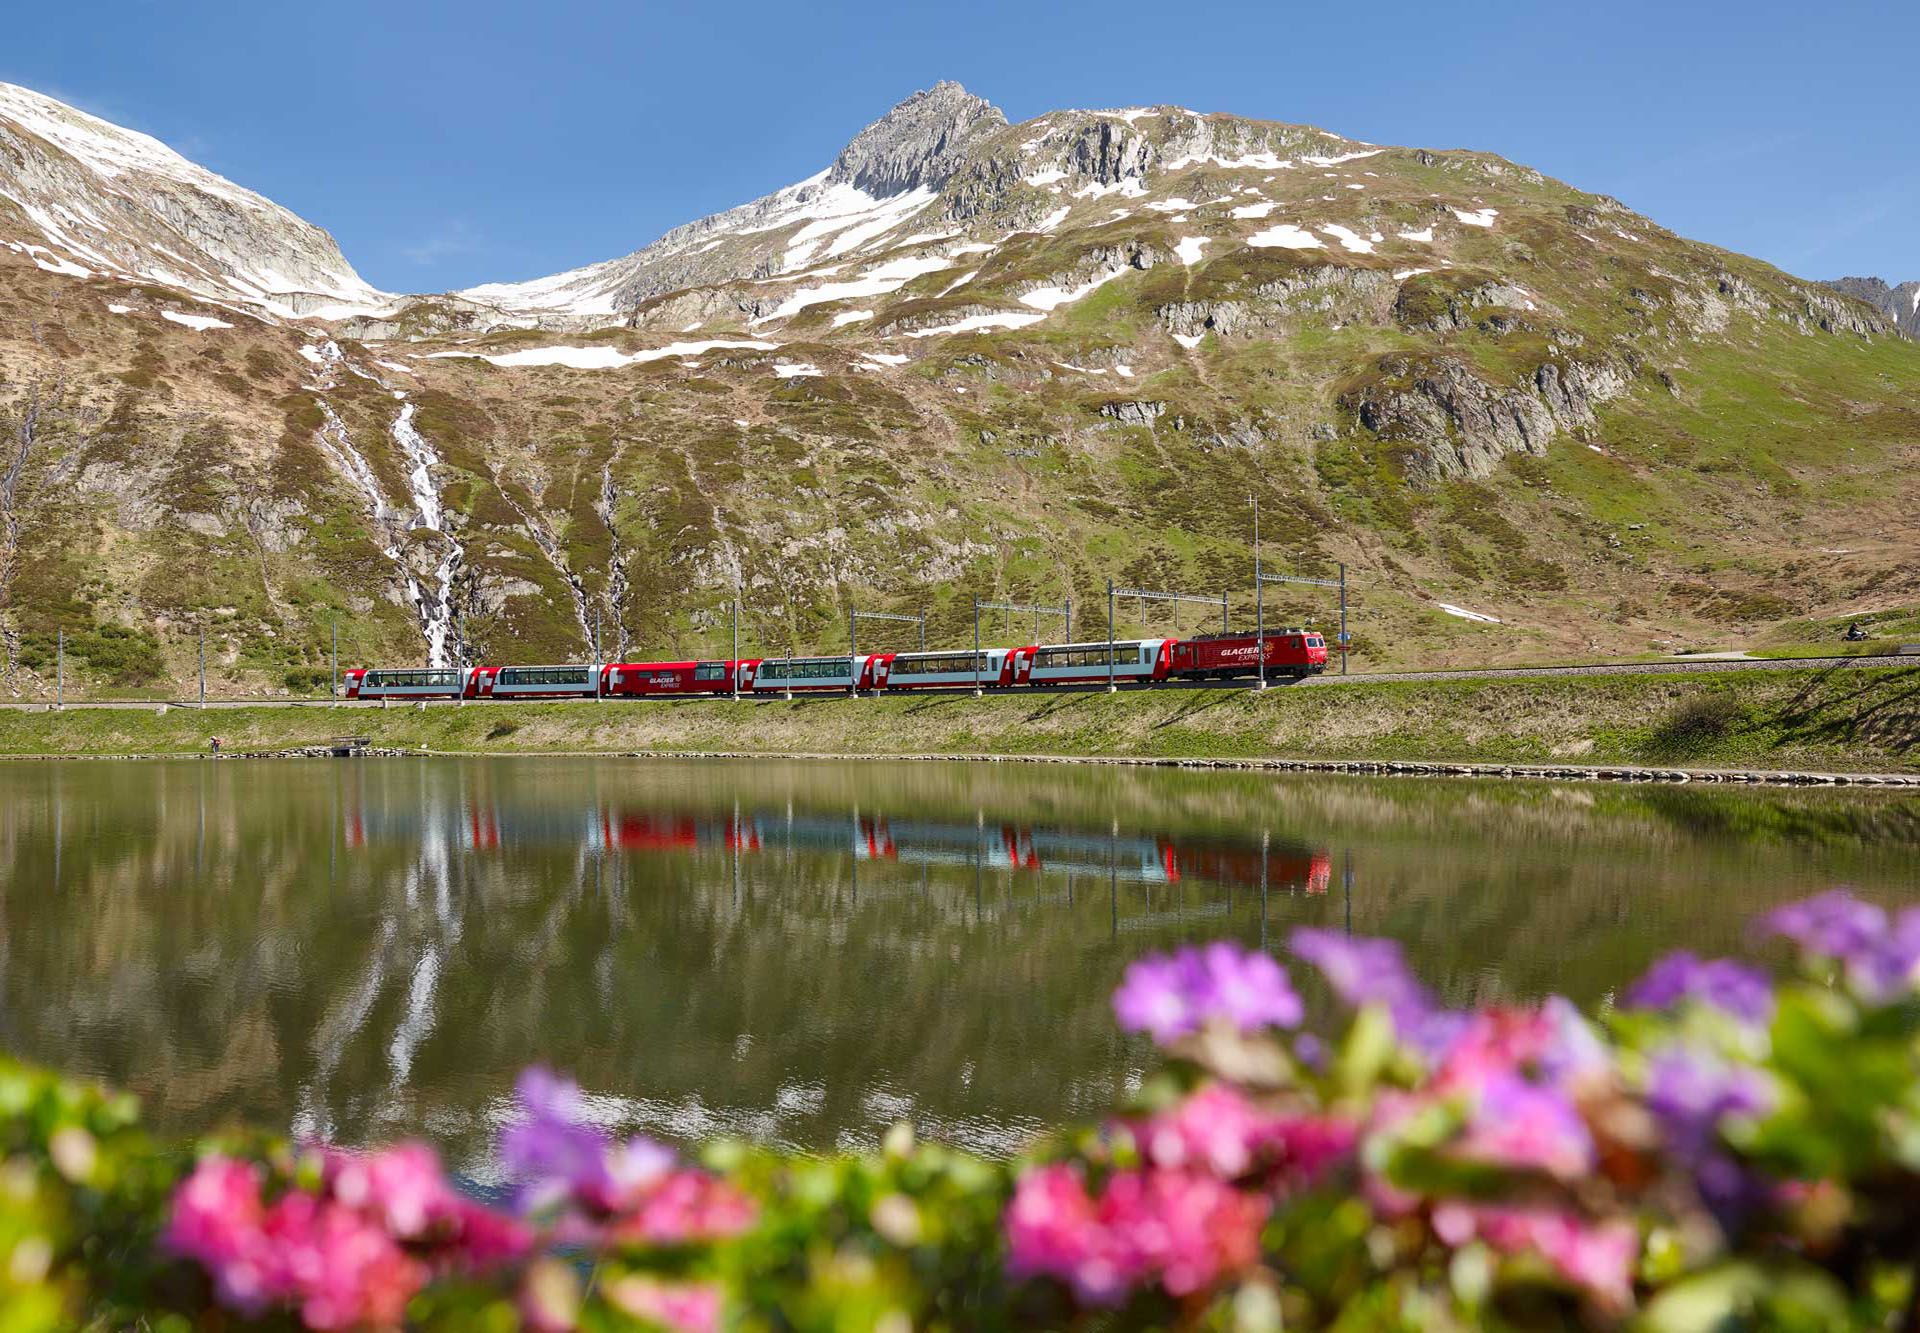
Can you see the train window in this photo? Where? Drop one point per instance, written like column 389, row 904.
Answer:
column 546, row 676
column 803, row 668
column 412, row 679
column 710, row 671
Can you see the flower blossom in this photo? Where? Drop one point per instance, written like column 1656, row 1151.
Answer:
column 1172, row 996
column 1367, row 971
column 1597, row 1257
column 1881, row 958
column 1186, row 1230
column 1217, row 1129
column 681, row 1307
column 1518, row 1124
column 1719, row 983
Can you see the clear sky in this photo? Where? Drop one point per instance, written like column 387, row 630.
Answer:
column 450, row 142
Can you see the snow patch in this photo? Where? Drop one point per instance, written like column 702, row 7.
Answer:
column 1401, row 275
column 601, row 358
column 851, row 317
column 1424, row 235
column 999, row 319
column 199, row 323
column 1047, row 177
column 888, row 277
column 119, row 309
column 1338, row 158
column 1189, row 340
column 1052, row 298
column 1268, row 161
column 1481, row 217
column 1189, row 249
column 1465, row 614
column 960, row 281
column 1258, row 210
column 1173, row 205
column 797, row 370
column 1358, row 244
column 1286, row 236
column 1130, row 187
column 886, row 358
column 1053, row 219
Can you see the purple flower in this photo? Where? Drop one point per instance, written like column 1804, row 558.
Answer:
column 1367, row 971
column 1692, row 1091
column 551, row 1152
column 1719, row 983
column 1834, row 924
column 1881, row 959
column 1171, row 996
column 1518, row 1124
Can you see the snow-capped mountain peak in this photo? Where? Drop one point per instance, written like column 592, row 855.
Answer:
column 102, row 199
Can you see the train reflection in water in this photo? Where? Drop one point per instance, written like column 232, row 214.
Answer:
column 1044, row 850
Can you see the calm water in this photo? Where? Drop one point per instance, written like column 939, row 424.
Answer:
column 802, row 953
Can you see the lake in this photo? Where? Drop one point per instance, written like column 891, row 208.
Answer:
column 800, row 953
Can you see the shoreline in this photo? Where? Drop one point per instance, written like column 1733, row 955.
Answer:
column 1427, row 768
column 1786, row 727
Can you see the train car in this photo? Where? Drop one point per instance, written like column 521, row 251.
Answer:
column 800, row 675
column 582, row 681
column 1087, row 663
column 407, row 683
column 992, row 670
column 641, row 680
column 1289, row 652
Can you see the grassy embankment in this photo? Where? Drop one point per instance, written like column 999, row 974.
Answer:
column 1858, row 720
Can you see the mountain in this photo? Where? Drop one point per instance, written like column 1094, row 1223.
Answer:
column 969, row 358
column 125, row 205
column 1901, row 305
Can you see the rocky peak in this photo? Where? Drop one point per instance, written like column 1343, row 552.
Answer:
column 1900, row 304
column 918, row 144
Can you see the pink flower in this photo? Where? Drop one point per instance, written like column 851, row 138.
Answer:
column 1597, row 1257
column 216, row 1221
column 1517, row 1124
column 683, row 1307
column 340, row 1269
column 1187, row 1230
column 684, row 1207
column 402, row 1186
column 1218, row 1130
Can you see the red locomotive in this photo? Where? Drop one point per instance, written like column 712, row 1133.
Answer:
column 1289, row 652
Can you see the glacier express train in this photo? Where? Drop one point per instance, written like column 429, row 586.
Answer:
column 1287, row 652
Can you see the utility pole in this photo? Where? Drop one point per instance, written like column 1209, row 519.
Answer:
column 733, row 667
column 976, row 645
column 333, row 658
column 853, row 653
column 1223, row 613
column 1111, row 687
column 1259, row 621
column 1346, row 644
column 60, row 670
column 203, row 668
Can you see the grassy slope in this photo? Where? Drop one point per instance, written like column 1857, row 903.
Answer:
column 1866, row 720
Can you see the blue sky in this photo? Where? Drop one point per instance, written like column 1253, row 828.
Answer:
column 447, row 143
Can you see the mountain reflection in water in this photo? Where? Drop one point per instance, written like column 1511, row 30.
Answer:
column 798, row 953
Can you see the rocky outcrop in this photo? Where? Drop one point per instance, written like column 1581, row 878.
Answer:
column 918, row 144
column 1901, row 305
column 1462, row 426
column 1133, row 412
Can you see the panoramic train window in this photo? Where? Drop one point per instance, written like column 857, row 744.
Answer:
column 412, row 679
column 806, row 668
column 546, row 676
column 710, row 671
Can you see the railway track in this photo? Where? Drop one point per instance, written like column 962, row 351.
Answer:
column 1683, row 666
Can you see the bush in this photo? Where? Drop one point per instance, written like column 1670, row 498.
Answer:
column 1718, row 1152
column 1694, row 725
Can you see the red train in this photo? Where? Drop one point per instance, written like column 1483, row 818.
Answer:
column 1288, row 652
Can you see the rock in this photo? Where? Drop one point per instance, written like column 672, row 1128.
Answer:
column 1133, row 412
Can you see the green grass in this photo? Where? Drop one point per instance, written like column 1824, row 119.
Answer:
column 1793, row 718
